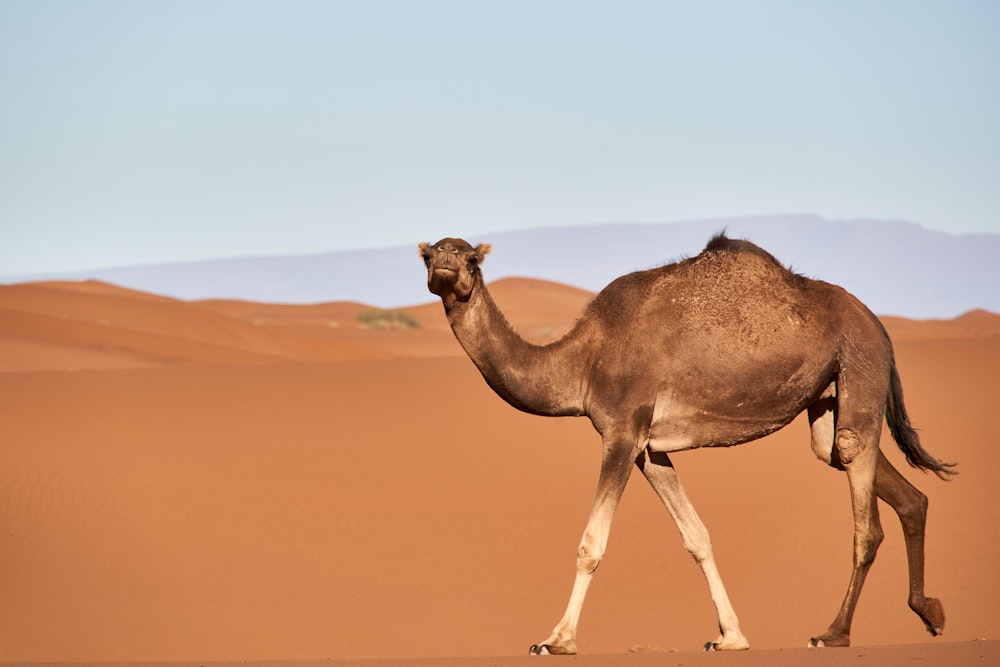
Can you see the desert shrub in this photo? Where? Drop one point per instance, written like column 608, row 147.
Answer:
column 388, row 319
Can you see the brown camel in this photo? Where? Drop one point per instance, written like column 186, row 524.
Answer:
column 713, row 351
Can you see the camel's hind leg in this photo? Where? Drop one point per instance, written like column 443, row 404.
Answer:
column 905, row 499
column 659, row 471
column 911, row 506
column 856, row 449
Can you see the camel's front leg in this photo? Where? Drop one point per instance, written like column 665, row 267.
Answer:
column 615, row 470
column 660, row 473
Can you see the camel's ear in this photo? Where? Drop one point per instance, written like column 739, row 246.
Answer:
column 482, row 250
column 425, row 252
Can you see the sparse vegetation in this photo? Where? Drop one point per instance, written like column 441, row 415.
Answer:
column 388, row 319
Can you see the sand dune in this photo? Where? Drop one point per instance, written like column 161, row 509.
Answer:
column 974, row 324
column 237, row 481
column 60, row 326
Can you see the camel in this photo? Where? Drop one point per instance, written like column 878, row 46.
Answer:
column 712, row 351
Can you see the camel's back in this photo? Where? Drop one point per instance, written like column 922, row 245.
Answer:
column 734, row 298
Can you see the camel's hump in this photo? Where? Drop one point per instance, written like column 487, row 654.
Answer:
column 722, row 243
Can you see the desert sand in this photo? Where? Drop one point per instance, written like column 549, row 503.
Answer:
column 193, row 482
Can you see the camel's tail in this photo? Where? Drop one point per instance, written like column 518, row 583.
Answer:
column 904, row 434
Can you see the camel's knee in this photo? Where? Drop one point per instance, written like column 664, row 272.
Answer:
column 867, row 545
column 699, row 552
column 907, row 501
column 913, row 516
column 849, row 445
column 699, row 546
column 912, row 509
column 587, row 559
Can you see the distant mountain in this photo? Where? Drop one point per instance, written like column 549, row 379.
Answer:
column 895, row 267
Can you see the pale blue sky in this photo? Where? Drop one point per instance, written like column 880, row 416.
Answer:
column 143, row 131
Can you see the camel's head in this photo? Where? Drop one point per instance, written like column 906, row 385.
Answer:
column 452, row 267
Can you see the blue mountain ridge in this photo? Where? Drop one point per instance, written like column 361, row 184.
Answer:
column 895, row 267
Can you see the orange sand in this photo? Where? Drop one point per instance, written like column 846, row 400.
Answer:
column 210, row 481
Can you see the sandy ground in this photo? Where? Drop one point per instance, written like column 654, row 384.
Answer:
column 227, row 481
column 981, row 653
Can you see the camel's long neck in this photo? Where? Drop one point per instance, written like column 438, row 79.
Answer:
column 545, row 380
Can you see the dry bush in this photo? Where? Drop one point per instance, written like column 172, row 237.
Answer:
column 388, row 319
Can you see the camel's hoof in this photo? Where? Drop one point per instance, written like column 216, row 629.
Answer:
column 836, row 641
column 932, row 614
column 739, row 645
column 550, row 649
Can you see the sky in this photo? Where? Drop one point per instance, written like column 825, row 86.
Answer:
column 137, row 132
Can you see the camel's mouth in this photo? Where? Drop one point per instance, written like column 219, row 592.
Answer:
column 442, row 280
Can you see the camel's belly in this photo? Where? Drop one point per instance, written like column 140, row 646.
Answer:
column 678, row 425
